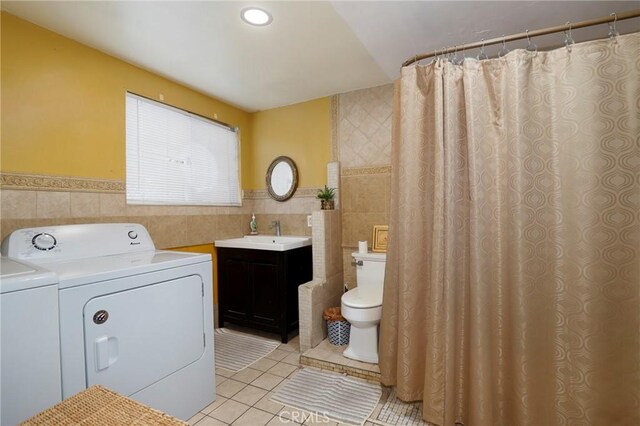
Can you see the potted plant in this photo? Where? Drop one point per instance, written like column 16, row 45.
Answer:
column 326, row 197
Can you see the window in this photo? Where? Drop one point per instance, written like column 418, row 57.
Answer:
column 175, row 157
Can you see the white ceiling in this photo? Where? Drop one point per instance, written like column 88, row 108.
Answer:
column 312, row 49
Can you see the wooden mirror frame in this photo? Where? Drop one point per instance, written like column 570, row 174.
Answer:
column 294, row 183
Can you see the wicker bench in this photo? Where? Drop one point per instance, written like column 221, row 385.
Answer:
column 101, row 406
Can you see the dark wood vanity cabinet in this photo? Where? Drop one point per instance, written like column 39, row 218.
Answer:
column 259, row 288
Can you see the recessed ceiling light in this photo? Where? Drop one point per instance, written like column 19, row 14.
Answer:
column 255, row 16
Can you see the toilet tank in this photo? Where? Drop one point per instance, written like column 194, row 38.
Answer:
column 370, row 269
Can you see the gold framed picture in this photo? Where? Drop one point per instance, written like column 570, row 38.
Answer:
column 380, row 238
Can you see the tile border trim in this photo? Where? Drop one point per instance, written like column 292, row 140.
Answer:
column 59, row 183
column 335, row 103
column 33, row 182
column 259, row 194
column 361, row 171
column 339, row 368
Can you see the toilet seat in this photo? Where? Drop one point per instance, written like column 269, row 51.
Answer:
column 362, row 299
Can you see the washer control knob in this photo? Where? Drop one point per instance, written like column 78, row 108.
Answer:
column 44, row 241
column 133, row 235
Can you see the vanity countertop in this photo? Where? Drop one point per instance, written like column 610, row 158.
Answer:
column 265, row 242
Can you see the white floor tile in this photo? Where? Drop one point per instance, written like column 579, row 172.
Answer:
column 247, row 375
column 281, row 421
column 229, row 388
column 253, row 417
column 210, row 421
column 215, row 404
column 278, row 354
column 293, row 359
column 229, row 411
column 282, row 369
column 294, row 414
column 266, row 404
column 223, row 372
column 267, row 381
column 193, row 420
column 264, row 364
column 249, row 395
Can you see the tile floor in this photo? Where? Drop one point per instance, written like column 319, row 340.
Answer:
column 243, row 398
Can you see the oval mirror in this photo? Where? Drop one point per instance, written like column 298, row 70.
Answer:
column 282, row 178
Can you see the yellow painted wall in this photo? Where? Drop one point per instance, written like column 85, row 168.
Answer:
column 63, row 109
column 301, row 131
column 205, row 248
column 63, row 105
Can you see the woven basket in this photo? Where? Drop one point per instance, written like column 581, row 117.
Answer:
column 339, row 332
column 338, row 328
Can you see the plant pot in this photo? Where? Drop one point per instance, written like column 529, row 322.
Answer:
column 327, row 204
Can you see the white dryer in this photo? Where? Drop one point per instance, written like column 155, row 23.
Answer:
column 134, row 319
column 29, row 341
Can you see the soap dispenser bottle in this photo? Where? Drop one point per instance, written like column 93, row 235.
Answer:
column 253, row 224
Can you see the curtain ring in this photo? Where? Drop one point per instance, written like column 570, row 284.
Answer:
column 504, row 49
column 613, row 32
column 531, row 47
column 481, row 54
column 568, row 39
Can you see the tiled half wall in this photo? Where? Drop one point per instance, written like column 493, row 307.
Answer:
column 32, row 201
column 326, row 288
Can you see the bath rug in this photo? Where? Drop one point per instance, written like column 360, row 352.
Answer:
column 236, row 351
column 396, row 412
column 341, row 398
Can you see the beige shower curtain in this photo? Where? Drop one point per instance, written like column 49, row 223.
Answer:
column 512, row 291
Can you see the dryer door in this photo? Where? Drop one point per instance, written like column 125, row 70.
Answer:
column 136, row 337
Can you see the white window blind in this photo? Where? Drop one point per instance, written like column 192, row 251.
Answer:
column 174, row 157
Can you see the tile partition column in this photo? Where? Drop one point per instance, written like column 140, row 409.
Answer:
column 326, row 288
column 333, row 180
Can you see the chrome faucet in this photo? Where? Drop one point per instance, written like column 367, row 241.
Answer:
column 276, row 224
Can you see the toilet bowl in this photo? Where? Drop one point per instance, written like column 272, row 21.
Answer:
column 362, row 307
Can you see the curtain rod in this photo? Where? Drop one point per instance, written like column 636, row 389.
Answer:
column 544, row 31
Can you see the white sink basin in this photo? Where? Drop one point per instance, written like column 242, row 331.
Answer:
column 265, row 242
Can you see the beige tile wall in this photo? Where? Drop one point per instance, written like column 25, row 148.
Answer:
column 365, row 203
column 364, row 143
column 364, row 126
column 290, row 224
column 169, row 226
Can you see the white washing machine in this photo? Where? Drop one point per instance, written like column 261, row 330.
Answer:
column 29, row 341
column 136, row 320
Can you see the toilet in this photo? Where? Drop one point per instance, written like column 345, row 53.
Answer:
column 362, row 307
